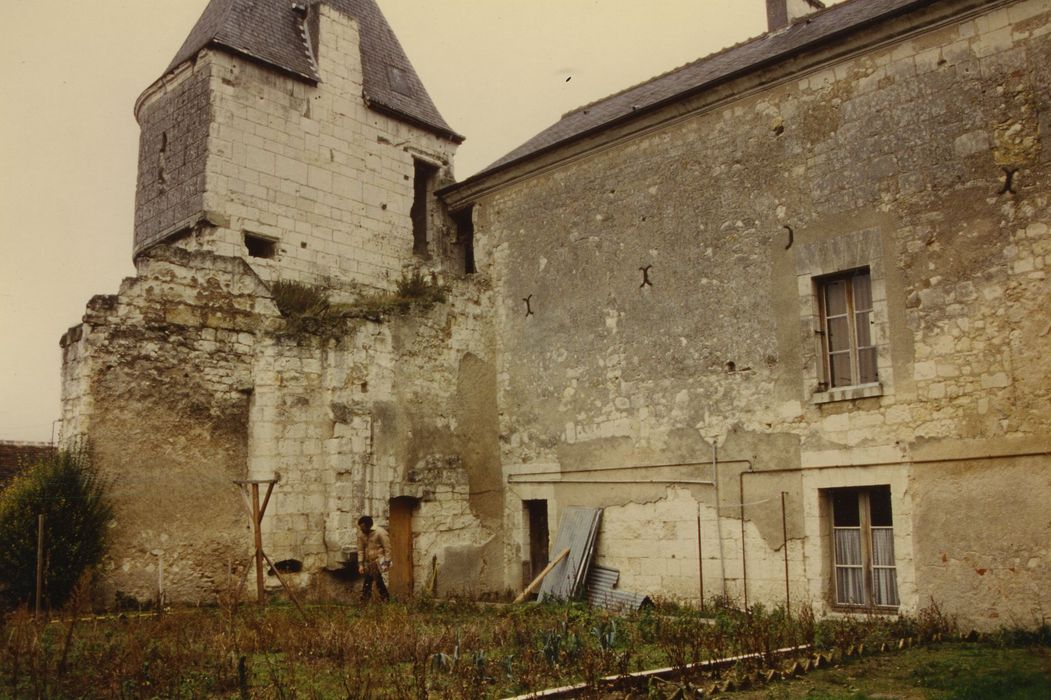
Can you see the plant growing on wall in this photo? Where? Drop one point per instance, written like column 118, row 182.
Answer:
column 307, row 309
column 296, row 300
column 71, row 496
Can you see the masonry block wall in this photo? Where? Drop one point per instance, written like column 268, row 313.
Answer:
column 195, row 380
column 167, row 365
column 173, row 150
column 322, row 180
column 674, row 274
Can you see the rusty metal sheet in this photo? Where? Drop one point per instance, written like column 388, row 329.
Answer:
column 577, row 531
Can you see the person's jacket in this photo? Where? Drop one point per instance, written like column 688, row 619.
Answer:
column 374, row 547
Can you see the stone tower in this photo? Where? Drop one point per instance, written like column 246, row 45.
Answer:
column 298, row 136
column 289, row 141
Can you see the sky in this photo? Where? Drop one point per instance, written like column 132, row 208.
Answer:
column 499, row 71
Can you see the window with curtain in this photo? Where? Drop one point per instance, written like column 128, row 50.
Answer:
column 847, row 346
column 863, row 547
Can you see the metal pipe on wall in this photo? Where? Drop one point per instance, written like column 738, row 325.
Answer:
column 700, row 558
column 744, row 548
column 718, row 519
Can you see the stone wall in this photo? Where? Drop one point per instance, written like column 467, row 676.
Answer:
column 190, row 379
column 158, row 379
column 173, row 149
column 671, row 268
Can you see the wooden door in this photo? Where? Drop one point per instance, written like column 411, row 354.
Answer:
column 401, row 510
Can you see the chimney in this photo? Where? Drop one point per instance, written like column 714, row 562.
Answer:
column 782, row 13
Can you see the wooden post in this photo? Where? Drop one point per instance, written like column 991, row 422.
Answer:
column 784, row 534
column 39, row 563
column 540, row 577
column 160, row 580
column 257, row 527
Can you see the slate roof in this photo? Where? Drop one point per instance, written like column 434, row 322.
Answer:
column 271, row 31
column 691, row 78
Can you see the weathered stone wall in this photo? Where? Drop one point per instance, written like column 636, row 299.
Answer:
column 173, row 148
column 167, row 366
column 190, row 379
column 889, row 156
column 309, row 167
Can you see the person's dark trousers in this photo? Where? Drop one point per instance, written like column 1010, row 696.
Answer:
column 366, row 586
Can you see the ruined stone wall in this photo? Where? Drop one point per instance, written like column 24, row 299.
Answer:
column 190, row 379
column 163, row 374
column 443, row 446
column 309, row 168
column 379, row 412
column 891, row 158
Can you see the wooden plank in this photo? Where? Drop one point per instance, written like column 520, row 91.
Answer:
column 540, row 577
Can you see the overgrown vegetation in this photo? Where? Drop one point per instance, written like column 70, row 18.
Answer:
column 71, row 496
column 307, row 309
column 298, row 300
column 425, row 649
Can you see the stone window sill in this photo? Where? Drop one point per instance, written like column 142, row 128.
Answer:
column 847, row 393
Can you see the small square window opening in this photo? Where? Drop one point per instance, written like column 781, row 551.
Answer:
column 260, row 247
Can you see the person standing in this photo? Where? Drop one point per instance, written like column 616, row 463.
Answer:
column 373, row 557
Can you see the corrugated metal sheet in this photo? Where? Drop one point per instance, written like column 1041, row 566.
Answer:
column 577, row 531
column 601, row 594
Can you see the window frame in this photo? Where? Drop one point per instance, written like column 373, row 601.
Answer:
column 850, row 315
column 868, row 565
column 826, row 257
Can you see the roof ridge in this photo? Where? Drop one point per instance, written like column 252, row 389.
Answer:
column 813, row 30
column 707, row 57
column 670, row 71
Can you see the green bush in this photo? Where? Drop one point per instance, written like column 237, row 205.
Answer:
column 68, row 491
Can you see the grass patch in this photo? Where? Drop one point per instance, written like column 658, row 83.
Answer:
column 953, row 670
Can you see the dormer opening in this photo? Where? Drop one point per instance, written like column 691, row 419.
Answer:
column 423, row 183
column 464, row 221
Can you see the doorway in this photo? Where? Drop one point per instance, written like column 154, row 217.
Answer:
column 401, row 580
column 537, row 533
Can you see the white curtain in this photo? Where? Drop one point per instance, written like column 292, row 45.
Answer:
column 850, row 572
column 884, row 578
